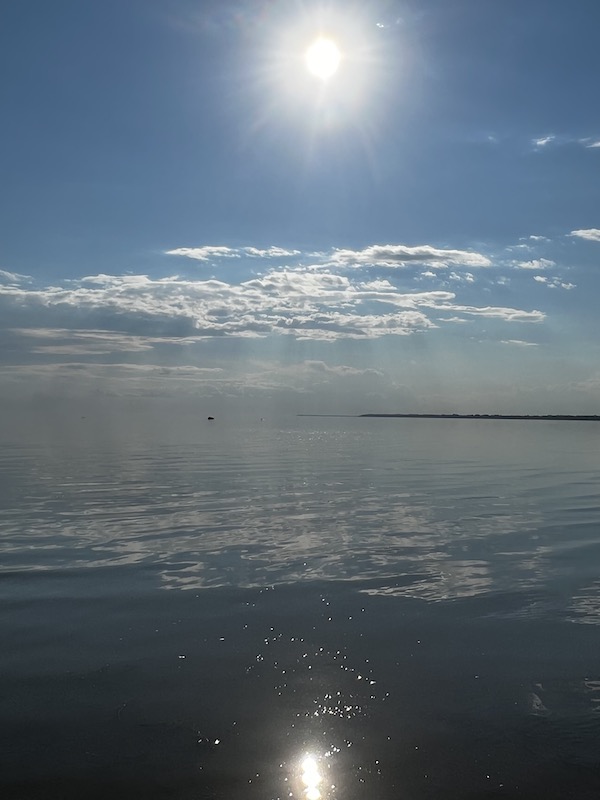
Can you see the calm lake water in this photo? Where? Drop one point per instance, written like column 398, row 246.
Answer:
column 358, row 609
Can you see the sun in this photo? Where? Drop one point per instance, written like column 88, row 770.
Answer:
column 323, row 58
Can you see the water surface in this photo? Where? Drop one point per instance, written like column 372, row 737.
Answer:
column 412, row 604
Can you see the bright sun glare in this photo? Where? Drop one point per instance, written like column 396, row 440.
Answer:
column 311, row 779
column 323, row 58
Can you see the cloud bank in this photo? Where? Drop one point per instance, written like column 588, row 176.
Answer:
column 299, row 302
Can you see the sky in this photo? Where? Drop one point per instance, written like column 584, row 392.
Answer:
column 194, row 222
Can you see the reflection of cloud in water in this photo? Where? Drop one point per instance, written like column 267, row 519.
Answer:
column 210, row 539
column 452, row 580
column 307, row 508
column 585, row 606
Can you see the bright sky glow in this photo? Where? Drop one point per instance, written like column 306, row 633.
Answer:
column 323, row 58
column 308, row 207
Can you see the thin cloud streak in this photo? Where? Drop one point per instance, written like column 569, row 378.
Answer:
column 215, row 252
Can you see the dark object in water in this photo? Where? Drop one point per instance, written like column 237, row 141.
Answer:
column 211, row 417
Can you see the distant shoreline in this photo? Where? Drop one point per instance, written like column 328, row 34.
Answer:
column 550, row 417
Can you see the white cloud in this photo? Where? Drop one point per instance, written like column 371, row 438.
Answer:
column 389, row 255
column 64, row 341
column 544, row 140
column 506, row 314
column 536, row 263
column 214, row 252
column 270, row 252
column 12, row 277
column 591, row 234
column 553, row 283
column 465, row 277
column 281, row 302
column 206, row 253
column 332, row 326
column 135, row 313
column 399, row 255
column 341, row 370
column 567, row 139
column 518, row 343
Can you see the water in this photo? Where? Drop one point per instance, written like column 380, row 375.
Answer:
column 411, row 605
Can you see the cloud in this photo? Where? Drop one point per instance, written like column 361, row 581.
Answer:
column 12, row 277
column 266, row 381
column 465, row 277
column 399, row 255
column 389, row 255
column 103, row 314
column 553, row 283
column 332, row 326
column 215, row 252
column 543, row 141
column 518, row 343
column 536, row 263
column 565, row 140
column 64, row 341
column 591, row 234
column 506, row 314
column 270, row 252
column 80, row 378
column 306, row 304
column 589, row 142
column 206, row 253
column 340, row 370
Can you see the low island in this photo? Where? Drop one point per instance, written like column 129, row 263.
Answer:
column 559, row 417
column 550, row 417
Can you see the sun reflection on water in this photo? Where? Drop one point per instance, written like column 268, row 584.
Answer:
column 311, row 778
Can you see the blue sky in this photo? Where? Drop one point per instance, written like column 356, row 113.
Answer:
column 192, row 220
